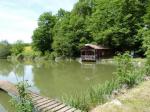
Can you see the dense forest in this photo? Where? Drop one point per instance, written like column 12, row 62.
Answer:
column 118, row 24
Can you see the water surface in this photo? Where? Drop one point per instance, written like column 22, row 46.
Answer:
column 53, row 79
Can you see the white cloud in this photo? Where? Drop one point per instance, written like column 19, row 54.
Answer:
column 18, row 18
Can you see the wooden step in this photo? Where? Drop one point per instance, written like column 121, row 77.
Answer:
column 47, row 105
column 51, row 107
column 43, row 103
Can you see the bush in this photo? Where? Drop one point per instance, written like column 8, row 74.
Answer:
column 126, row 72
column 23, row 103
column 17, row 48
column 4, row 49
column 147, row 65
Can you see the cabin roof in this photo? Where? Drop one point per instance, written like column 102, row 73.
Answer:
column 95, row 46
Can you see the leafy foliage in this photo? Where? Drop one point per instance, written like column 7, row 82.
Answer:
column 127, row 72
column 43, row 35
column 23, row 102
column 4, row 49
column 146, row 37
column 117, row 24
column 17, row 47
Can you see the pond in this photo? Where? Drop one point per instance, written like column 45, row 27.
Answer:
column 53, row 79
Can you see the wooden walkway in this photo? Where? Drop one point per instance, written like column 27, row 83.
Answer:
column 42, row 104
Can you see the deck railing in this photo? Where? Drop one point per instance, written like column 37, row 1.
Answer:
column 88, row 57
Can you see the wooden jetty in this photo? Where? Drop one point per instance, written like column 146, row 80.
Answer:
column 42, row 104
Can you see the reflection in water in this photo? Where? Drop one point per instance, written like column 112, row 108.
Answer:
column 5, row 105
column 5, row 67
column 56, row 79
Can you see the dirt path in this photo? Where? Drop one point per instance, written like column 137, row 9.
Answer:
column 135, row 100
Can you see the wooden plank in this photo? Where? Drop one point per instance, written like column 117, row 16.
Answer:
column 43, row 103
column 51, row 107
column 42, row 100
column 37, row 98
column 49, row 104
column 65, row 109
column 71, row 110
column 58, row 108
column 77, row 111
column 33, row 95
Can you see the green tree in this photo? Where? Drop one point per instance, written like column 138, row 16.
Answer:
column 144, row 32
column 118, row 24
column 70, row 31
column 4, row 49
column 61, row 14
column 43, row 35
column 17, row 48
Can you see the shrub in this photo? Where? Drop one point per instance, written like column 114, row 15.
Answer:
column 126, row 72
column 4, row 49
column 147, row 65
column 23, row 102
column 17, row 48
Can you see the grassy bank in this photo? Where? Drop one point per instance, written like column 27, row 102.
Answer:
column 133, row 100
column 127, row 76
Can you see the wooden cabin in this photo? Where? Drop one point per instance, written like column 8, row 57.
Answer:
column 92, row 52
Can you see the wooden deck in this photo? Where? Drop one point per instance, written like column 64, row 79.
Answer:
column 42, row 104
column 88, row 58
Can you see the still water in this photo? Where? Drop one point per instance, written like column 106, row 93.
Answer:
column 53, row 79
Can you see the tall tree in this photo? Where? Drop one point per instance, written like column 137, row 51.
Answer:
column 71, row 33
column 43, row 35
column 116, row 23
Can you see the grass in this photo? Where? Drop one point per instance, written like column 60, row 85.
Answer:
column 29, row 53
column 95, row 95
column 79, row 102
column 28, row 50
column 99, row 94
column 135, row 100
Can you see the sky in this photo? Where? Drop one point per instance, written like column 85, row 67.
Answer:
column 18, row 18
